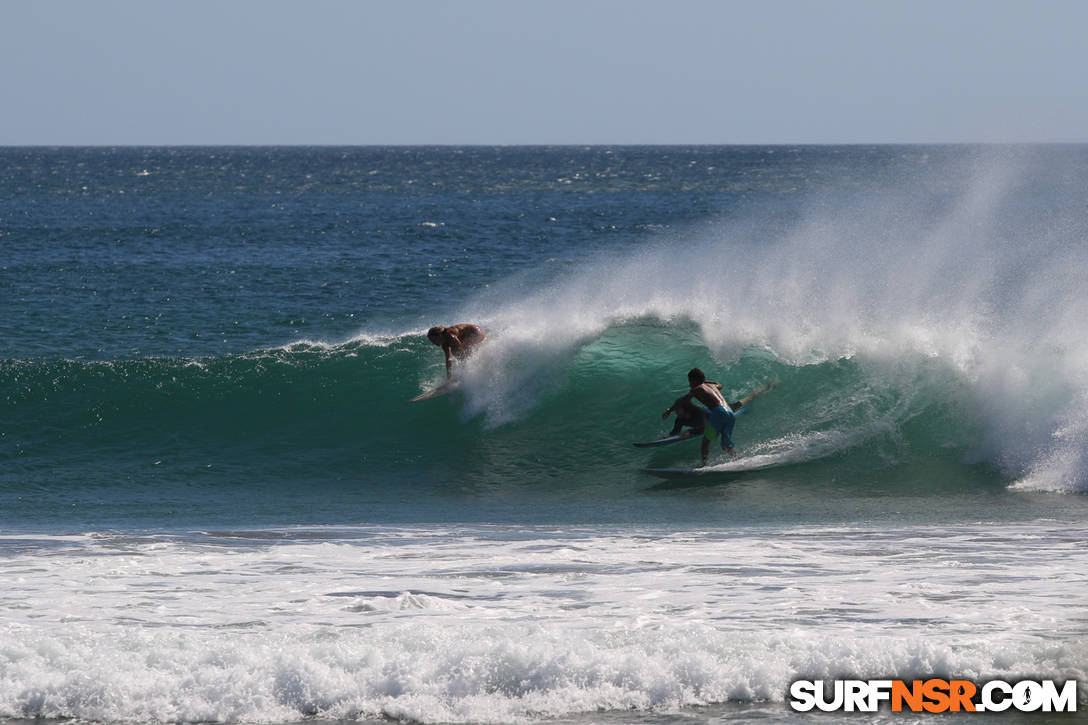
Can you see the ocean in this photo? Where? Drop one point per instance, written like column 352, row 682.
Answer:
column 217, row 505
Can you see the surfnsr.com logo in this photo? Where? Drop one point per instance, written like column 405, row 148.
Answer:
column 933, row 695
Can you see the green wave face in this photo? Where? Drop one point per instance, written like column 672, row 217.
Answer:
column 561, row 415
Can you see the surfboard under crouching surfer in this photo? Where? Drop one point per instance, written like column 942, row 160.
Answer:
column 456, row 341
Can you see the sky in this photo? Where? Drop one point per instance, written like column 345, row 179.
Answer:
column 359, row 72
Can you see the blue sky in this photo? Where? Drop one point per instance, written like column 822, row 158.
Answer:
column 546, row 71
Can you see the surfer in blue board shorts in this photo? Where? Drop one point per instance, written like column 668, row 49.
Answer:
column 721, row 419
column 456, row 341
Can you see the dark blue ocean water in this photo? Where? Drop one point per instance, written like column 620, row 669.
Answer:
column 218, row 505
column 118, row 253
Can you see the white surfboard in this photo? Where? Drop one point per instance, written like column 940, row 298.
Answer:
column 445, row 388
column 739, row 465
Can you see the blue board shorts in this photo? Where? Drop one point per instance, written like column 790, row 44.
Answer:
column 720, row 424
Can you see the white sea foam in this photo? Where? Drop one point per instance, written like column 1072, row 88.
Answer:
column 489, row 624
column 799, row 448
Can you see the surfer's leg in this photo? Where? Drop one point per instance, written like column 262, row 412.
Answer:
column 696, row 424
column 727, row 431
column 709, row 434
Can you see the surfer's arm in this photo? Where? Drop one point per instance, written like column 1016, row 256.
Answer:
column 675, row 404
column 449, row 361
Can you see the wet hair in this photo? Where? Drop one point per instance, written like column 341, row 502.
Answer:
column 696, row 377
column 435, row 333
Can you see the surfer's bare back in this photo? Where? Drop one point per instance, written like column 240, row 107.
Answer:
column 456, row 341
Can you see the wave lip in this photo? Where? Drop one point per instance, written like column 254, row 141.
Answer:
column 583, row 398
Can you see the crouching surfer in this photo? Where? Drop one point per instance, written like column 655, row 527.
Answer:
column 456, row 341
column 688, row 415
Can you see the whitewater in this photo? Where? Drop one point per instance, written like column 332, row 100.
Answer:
column 490, row 624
